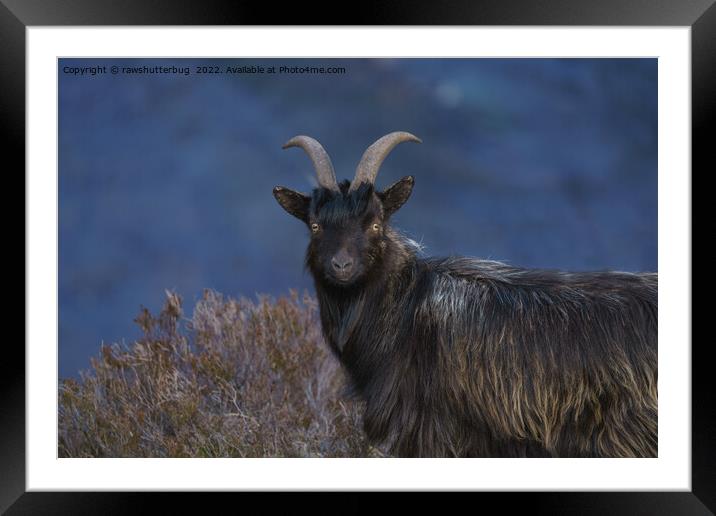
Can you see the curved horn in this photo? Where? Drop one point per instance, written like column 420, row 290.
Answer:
column 374, row 155
column 319, row 157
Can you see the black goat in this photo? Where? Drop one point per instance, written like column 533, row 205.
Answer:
column 466, row 357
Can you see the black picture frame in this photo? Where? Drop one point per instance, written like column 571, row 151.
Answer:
column 17, row 15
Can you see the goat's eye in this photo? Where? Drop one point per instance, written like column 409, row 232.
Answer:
column 315, row 227
column 376, row 227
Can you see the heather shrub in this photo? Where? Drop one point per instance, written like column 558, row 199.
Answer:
column 237, row 379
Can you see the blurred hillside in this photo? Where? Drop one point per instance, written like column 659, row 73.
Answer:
column 165, row 180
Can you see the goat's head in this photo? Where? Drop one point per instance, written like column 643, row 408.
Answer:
column 347, row 221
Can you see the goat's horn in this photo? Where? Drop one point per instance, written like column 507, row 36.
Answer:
column 374, row 155
column 319, row 157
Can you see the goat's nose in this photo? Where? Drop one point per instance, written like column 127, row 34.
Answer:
column 342, row 263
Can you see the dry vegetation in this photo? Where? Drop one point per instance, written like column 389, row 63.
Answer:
column 237, row 379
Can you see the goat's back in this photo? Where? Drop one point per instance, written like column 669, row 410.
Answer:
column 539, row 362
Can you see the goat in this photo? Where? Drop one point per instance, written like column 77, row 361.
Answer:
column 466, row 357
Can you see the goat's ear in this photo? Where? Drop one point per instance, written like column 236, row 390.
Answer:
column 396, row 194
column 293, row 202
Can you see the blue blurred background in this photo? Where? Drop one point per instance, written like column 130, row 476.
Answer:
column 165, row 180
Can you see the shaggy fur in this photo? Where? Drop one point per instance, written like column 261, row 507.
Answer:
column 474, row 358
